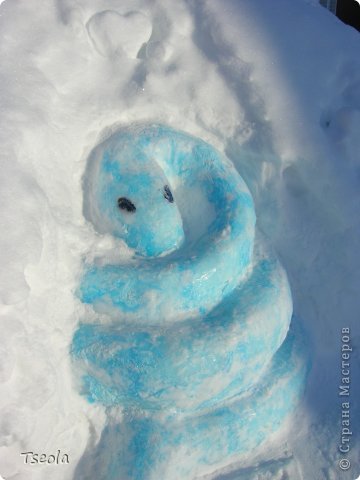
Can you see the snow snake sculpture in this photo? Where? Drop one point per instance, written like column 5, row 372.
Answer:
column 196, row 362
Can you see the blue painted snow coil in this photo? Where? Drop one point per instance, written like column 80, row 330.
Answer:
column 195, row 350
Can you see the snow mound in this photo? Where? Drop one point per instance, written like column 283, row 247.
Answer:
column 193, row 350
column 273, row 86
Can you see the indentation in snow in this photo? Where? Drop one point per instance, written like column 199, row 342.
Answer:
column 114, row 34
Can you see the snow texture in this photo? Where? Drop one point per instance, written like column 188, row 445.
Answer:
column 274, row 87
column 214, row 361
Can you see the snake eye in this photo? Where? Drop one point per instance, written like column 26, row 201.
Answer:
column 167, row 194
column 126, row 204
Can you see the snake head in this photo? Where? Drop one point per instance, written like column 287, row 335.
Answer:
column 129, row 196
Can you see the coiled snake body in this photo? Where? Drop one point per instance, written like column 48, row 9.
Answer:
column 194, row 352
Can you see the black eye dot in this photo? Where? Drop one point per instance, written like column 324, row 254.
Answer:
column 167, row 194
column 126, row 204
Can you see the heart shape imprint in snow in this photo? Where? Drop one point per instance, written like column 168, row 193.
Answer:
column 114, row 34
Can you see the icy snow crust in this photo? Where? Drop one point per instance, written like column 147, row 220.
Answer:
column 275, row 86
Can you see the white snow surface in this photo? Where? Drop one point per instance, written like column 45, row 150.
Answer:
column 276, row 86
